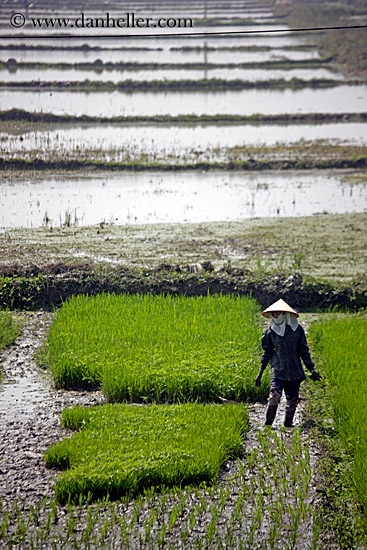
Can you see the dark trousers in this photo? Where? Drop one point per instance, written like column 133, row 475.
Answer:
column 290, row 387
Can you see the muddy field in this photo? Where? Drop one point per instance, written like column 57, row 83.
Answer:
column 332, row 247
column 30, row 410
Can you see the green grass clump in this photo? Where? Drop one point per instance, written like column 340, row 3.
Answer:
column 121, row 449
column 9, row 329
column 145, row 348
column 342, row 345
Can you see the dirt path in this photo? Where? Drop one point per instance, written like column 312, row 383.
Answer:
column 29, row 416
column 29, row 424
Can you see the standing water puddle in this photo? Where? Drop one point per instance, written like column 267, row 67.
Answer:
column 172, row 141
column 153, row 56
column 20, row 396
column 139, row 198
column 61, row 75
column 23, row 387
column 218, row 41
column 342, row 99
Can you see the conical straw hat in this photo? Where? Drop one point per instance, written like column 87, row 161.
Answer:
column 280, row 305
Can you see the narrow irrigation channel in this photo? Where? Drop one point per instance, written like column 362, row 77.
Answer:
column 264, row 500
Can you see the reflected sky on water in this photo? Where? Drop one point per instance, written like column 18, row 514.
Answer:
column 130, row 198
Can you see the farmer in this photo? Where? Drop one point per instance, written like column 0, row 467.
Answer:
column 284, row 345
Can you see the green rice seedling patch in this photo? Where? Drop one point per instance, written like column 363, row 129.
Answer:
column 342, row 346
column 145, row 348
column 121, row 449
column 9, row 329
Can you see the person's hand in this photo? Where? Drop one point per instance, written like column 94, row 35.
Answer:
column 315, row 376
column 258, row 380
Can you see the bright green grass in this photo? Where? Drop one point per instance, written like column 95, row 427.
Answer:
column 9, row 331
column 145, row 348
column 121, row 449
column 342, row 344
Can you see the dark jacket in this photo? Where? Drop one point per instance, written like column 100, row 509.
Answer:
column 285, row 353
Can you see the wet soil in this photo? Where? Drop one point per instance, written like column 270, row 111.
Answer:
column 332, row 246
column 249, row 165
column 191, row 85
column 282, row 118
column 50, row 287
column 29, row 416
column 302, row 155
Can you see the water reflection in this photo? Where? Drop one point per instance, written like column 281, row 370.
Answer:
column 268, row 40
column 173, row 141
column 154, row 56
column 27, row 75
column 175, row 198
column 341, row 99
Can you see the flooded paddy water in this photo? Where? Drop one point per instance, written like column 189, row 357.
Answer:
column 178, row 142
column 87, row 50
column 252, row 75
column 29, row 408
column 173, row 197
column 342, row 99
column 134, row 198
column 157, row 55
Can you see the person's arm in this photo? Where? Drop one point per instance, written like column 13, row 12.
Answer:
column 268, row 350
column 304, row 352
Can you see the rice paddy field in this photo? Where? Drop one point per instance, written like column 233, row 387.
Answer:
column 159, row 187
column 122, row 449
column 341, row 343
column 148, row 348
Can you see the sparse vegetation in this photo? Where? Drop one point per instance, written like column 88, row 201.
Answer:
column 344, row 48
column 335, row 247
column 306, row 163
column 212, row 84
column 99, row 66
column 46, row 149
column 290, row 118
column 262, row 502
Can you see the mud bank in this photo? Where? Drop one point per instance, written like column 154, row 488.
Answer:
column 33, row 288
column 245, row 165
column 29, row 413
column 185, row 85
column 283, row 118
column 99, row 65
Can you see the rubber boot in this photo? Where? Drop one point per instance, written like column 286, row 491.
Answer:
column 271, row 411
column 288, row 419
